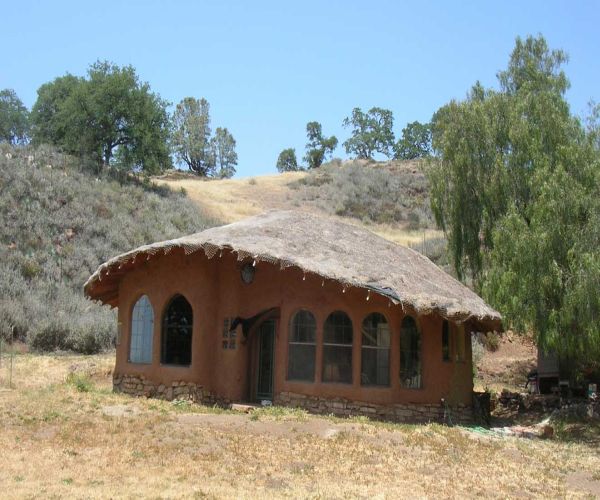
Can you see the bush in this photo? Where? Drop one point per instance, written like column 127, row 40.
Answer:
column 381, row 193
column 491, row 341
column 58, row 222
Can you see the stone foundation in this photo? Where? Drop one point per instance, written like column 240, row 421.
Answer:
column 399, row 412
column 138, row 385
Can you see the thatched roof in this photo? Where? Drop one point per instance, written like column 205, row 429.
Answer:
column 325, row 247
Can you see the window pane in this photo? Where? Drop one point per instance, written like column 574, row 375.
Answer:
column 375, row 331
column 459, row 333
column 410, row 354
column 445, row 341
column 177, row 333
column 375, row 366
column 142, row 331
column 337, row 364
column 304, row 327
column 338, row 329
column 301, row 362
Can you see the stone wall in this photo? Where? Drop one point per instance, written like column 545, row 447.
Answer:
column 138, row 385
column 400, row 412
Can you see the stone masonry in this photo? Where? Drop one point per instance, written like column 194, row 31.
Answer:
column 399, row 412
column 140, row 386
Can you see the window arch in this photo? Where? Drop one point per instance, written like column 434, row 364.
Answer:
column 375, row 350
column 410, row 354
column 176, row 348
column 337, row 348
column 142, row 331
column 302, row 346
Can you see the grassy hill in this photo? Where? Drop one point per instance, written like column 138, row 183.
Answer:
column 389, row 198
column 58, row 222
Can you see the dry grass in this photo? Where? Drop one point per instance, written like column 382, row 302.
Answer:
column 231, row 200
column 60, row 441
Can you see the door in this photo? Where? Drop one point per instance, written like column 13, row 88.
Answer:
column 266, row 344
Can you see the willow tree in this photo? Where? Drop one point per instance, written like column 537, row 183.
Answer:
column 515, row 187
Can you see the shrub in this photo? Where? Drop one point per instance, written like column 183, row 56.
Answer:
column 380, row 193
column 491, row 341
column 58, row 222
column 81, row 382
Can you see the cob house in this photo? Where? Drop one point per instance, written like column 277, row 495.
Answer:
column 297, row 309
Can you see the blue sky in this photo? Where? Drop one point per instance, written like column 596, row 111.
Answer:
column 267, row 68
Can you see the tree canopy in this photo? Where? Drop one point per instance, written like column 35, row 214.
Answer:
column 109, row 116
column 318, row 147
column 287, row 162
column 223, row 150
column 414, row 143
column 371, row 133
column 515, row 187
column 14, row 118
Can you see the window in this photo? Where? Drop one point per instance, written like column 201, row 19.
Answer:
column 410, row 354
column 142, row 331
column 302, row 347
column 337, row 348
column 229, row 335
column 375, row 365
column 459, row 335
column 446, row 341
column 177, row 333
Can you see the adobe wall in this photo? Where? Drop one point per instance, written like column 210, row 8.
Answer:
column 215, row 291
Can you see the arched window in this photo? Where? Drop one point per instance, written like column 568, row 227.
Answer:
column 142, row 331
column 410, row 354
column 177, row 332
column 302, row 347
column 337, row 348
column 375, row 365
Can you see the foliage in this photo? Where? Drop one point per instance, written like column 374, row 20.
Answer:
column 110, row 117
column 14, row 118
column 287, row 162
column 371, row 132
column 318, row 147
column 57, row 225
column 191, row 135
column 516, row 189
column 223, row 150
column 369, row 193
column 414, row 143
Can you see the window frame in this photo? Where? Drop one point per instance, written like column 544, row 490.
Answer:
column 420, row 351
column 131, row 319
column 376, row 348
column 291, row 342
column 326, row 344
column 448, row 330
column 170, row 301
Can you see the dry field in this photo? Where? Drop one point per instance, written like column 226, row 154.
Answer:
column 230, row 200
column 64, row 434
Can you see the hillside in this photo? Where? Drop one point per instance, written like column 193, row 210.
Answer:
column 57, row 224
column 389, row 198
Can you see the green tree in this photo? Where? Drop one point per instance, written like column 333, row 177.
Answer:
column 192, row 136
column 110, row 116
column 287, row 162
column 223, row 148
column 371, row 132
column 318, row 147
column 515, row 187
column 414, row 143
column 14, row 118
column 49, row 122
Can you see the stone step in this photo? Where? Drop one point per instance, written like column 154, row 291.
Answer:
column 244, row 407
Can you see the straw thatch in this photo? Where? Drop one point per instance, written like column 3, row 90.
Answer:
column 325, row 247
